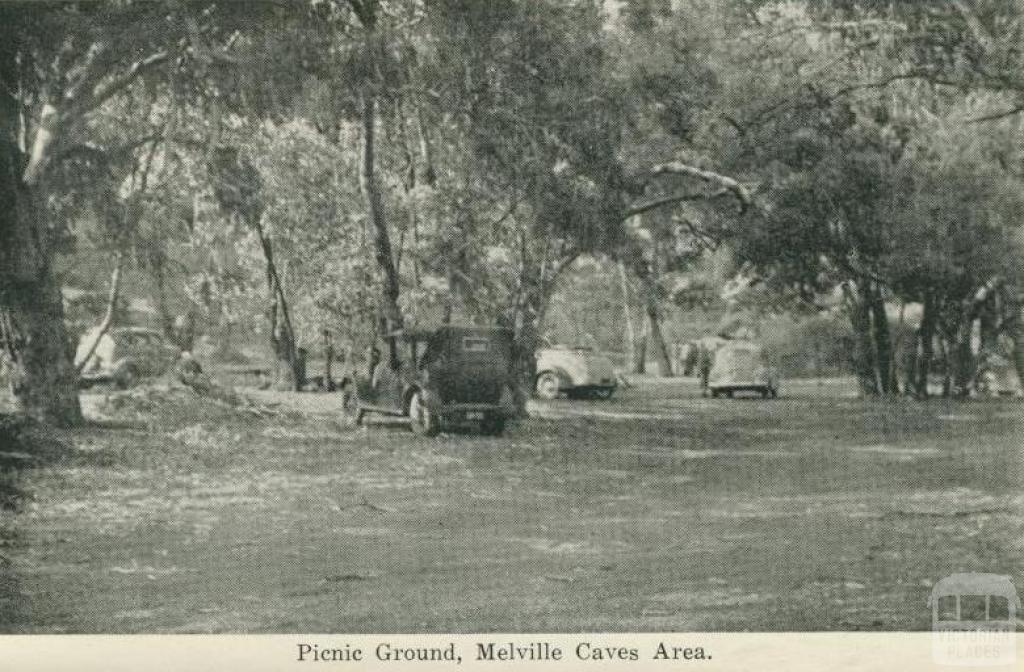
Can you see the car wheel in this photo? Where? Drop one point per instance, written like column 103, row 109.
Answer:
column 547, row 385
column 765, row 393
column 126, row 377
column 493, row 425
column 714, row 394
column 422, row 421
column 728, row 394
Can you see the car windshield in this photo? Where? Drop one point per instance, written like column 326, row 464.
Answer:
column 476, row 344
column 741, row 358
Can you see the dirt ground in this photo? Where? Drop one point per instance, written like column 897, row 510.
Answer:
column 656, row 511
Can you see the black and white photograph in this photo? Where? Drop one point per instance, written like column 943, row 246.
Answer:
column 471, row 317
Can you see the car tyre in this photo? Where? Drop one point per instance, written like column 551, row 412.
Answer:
column 493, row 425
column 547, row 385
column 126, row 377
column 421, row 419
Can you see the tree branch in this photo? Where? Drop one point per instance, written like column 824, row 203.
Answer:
column 995, row 116
column 669, row 200
column 102, row 93
column 728, row 183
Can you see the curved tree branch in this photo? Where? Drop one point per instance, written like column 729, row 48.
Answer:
column 727, row 183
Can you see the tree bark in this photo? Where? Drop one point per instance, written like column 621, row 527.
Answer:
column 108, row 317
column 44, row 381
column 926, row 346
column 658, row 341
column 640, row 352
column 864, row 349
column 627, row 314
column 290, row 368
column 383, row 253
column 882, row 337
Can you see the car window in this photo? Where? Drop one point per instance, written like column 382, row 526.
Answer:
column 972, row 607
column 475, row 344
column 998, row 608
column 947, row 608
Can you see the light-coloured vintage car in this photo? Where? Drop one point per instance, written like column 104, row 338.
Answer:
column 740, row 366
column 577, row 372
column 124, row 355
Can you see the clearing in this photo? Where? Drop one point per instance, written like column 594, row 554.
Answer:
column 658, row 510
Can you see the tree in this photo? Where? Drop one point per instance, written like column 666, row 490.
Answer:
column 58, row 64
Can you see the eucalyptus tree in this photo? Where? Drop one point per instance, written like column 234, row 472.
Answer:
column 59, row 64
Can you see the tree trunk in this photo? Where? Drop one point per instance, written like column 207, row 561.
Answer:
column 44, row 381
column 524, row 322
column 640, row 352
column 963, row 360
column 627, row 314
column 882, row 337
column 658, row 341
column 290, row 368
column 864, row 349
column 381, row 237
column 108, row 317
column 926, row 345
column 1015, row 331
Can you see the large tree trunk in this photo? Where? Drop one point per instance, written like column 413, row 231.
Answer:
column 864, row 348
column 290, row 373
column 391, row 289
column 44, row 381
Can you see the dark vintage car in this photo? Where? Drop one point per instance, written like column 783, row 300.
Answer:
column 449, row 375
column 123, row 355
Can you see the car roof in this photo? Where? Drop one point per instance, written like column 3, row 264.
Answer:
column 976, row 583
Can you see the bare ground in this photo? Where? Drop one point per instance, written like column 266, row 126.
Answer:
column 658, row 510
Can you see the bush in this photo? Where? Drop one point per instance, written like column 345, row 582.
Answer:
column 817, row 346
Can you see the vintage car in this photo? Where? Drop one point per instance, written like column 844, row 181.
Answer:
column 740, row 366
column 123, row 356
column 579, row 372
column 450, row 375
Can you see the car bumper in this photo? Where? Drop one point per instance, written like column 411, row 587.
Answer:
column 740, row 387
column 471, row 412
column 593, row 383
